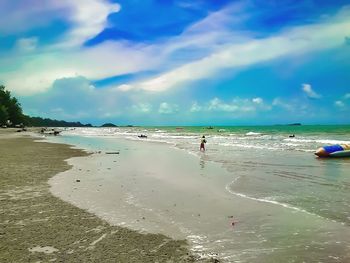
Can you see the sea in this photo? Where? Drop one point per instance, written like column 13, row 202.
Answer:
column 287, row 204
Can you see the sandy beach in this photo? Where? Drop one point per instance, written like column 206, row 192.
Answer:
column 35, row 226
column 126, row 200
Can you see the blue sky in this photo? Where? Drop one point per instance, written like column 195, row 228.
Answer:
column 178, row 62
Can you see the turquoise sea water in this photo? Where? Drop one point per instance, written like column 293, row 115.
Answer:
column 267, row 167
column 287, row 163
column 271, row 129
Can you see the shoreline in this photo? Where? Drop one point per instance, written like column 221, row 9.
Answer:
column 166, row 190
column 37, row 226
column 156, row 188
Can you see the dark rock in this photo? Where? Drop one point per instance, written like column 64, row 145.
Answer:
column 109, row 125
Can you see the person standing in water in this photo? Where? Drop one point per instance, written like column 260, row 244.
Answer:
column 203, row 142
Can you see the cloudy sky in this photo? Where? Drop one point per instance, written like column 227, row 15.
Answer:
column 178, row 62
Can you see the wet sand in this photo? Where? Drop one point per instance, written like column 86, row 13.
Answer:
column 35, row 226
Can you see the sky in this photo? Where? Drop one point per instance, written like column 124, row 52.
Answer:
column 178, row 62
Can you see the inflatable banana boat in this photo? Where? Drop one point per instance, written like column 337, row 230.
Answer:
column 336, row 150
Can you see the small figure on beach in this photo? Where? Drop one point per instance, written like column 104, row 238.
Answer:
column 203, row 142
column 233, row 222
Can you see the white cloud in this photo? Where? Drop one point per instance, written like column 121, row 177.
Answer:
column 310, row 92
column 294, row 41
column 39, row 72
column 26, row 44
column 218, row 20
column 258, row 100
column 142, row 108
column 36, row 72
column 19, row 16
column 278, row 102
column 195, row 107
column 237, row 105
column 211, row 33
column 89, row 18
column 166, row 108
column 217, row 105
column 76, row 98
column 339, row 104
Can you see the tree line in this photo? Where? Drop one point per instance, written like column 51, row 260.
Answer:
column 11, row 114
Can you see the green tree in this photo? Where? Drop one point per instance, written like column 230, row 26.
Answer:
column 5, row 96
column 15, row 111
column 3, row 115
column 10, row 107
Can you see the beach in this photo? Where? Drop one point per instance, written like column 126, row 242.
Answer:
column 159, row 199
column 251, row 197
column 38, row 227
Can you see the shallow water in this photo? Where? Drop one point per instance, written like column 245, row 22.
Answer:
column 289, row 205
